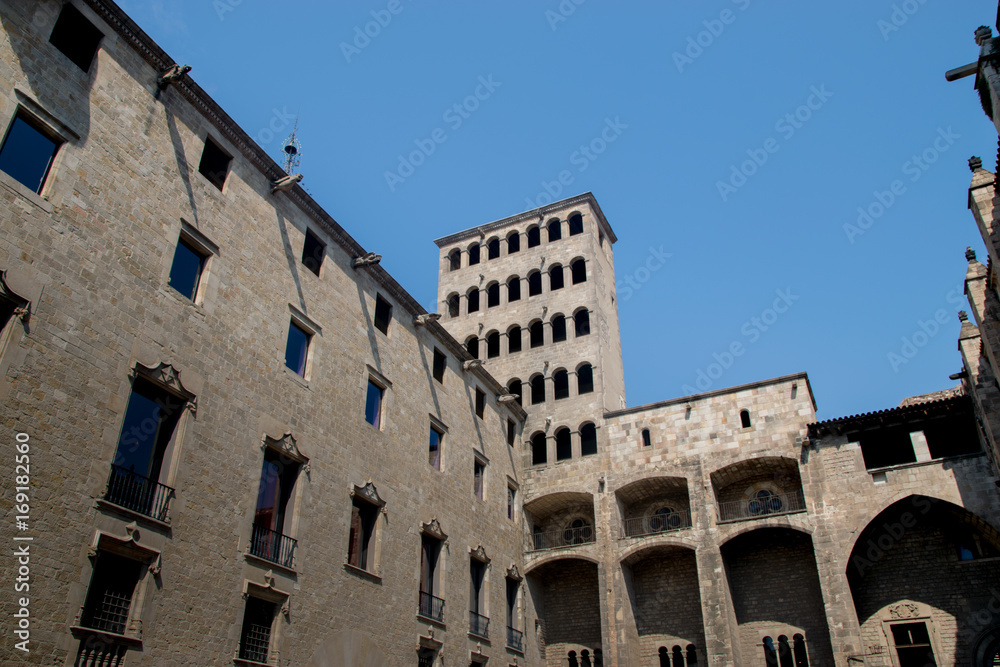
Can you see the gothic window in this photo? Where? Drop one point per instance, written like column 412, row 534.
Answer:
column 536, row 334
column 514, row 387
column 454, row 304
column 579, row 531
column 646, row 441
column 455, row 260
column 472, row 346
column 799, row 651
column 473, row 254
column 473, row 298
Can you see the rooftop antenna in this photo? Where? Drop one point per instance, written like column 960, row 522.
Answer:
column 291, row 150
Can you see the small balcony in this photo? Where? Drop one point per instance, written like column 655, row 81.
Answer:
column 564, row 519
column 272, row 546
column 140, row 494
column 570, row 536
column 761, row 504
column 431, row 607
column 479, row 625
column 657, row 523
column 515, row 639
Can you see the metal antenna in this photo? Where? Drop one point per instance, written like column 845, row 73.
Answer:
column 291, row 151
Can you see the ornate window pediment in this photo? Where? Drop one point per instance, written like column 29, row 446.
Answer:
column 369, row 493
column 514, row 573
column 287, row 446
column 433, row 528
column 169, row 377
column 479, row 553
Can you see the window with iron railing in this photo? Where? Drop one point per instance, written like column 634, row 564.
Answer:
column 109, row 597
column 255, row 636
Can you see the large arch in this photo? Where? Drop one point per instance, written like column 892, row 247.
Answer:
column 641, row 505
column 561, row 519
column 566, row 593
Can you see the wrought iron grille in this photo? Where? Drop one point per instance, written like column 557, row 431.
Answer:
column 764, row 503
column 656, row 523
column 133, row 491
column 255, row 641
column 110, row 612
column 272, row 545
column 567, row 537
column 479, row 625
column 431, row 607
column 515, row 639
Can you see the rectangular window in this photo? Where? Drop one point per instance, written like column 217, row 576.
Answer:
column 515, row 639
column 272, row 515
column 479, row 624
column 511, row 432
column 109, row 597
column 373, row 405
column 480, row 403
column 28, row 151
column 383, row 314
column 214, row 163
column 313, row 252
column 297, row 348
column 185, row 272
column 511, row 498
column 76, row 37
column 440, row 364
column 434, row 448
column 431, row 605
column 478, row 477
column 913, row 645
column 361, row 545
column 255, row 637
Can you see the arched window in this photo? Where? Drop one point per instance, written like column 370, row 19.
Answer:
column 579, row 531
column 770, row 655
column 598, row 658
column 585, row 379
column 784, row 652
column 588, row 439
column 579, row 269
column 572, row 659
column 514, row 387
column 534, row 283
column 745, row 418
column 453, row 305
column 585, row 658
column 473, row 297
column 646, row 440
column 678, row 657
column 558, row 328
column 575, row 224
column 472, row 345
column 536, row 334
column 493, row 345
column 473, row 254
column 560, row 384
column 513, row 289
column 765, row 502
column 514, row 339
column 493, row 295
column 455, row 260
column 799, row 651
column 513, row 242
column 664, row 657
column 534, row 236
column 582, row 320
column 564, row 444
column 556, row 277
column 493, row 249
column 555, row 230
column 692, row 655
column 537, row 389
column 538, row 453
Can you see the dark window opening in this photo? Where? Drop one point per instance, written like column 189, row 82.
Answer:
column 575, row 224
column 109, row 597
column 478, row 473
column 581, row 320
column 585, row 379
column 277, row 480
column 513, row 243
column 493, row 295
column 536, row 334
column 799, row 651
column 564, row 444
column 745, row 418
column 678, row 657
column 373, row 405
column 472, row 346
column 493, row 249
column 440, row 364
column 431, row 605
column 513, row 587
column 514, row 387
column 493, row 345
column 454, row 304
column 186, row 269
column 479, row 624
column 913, row 645
column 770, row 654
column 474, row 254
column 952, row 436
column 434, row 448
column 480, row 403
column 556, row 278
column 513, row 289
column 297, row 348
column 360, row 546
column 455, row 260
column 885, row 447
column 214, row 163
column 255, row 637
column 511, row 499
column 555, row 230
column 514, row 339
column 784, row 652
column 76, row 37
column 692, row 656
column 646, row 441
column 537, row 389
column 579, row 270
column 313, row 252
column 534, row 237
column 383, row 314
column 588, row 439
column 7, row 309
column 27, row 152
column 473, row 298
column 560, row 385
column 534, row 283
column 539, row 449
column 558, row 328
column 511, row 430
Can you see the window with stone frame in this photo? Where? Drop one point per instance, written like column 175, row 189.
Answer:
column 214, row 164
column 255, row 634
column 434, row 446
column 374, row 398
column 363, row 539
column 431, row 604
column 383, row 314
column 912, row 644
column 108, row 606
column 297, row 348
column 270, row 538
column 191, row 262
column 479, row 476
column 479, row 623
column 313, row 252
column 76, row 37
column 28, row 151
column 440, row 364
column 480, row 403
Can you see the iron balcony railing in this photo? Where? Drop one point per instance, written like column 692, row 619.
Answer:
column 568, row 537
column 654, row 524
column 515, row 639
column 479, row 625
column 431, row 607
column 764, row 503
column 140, row 494
column 272, row 546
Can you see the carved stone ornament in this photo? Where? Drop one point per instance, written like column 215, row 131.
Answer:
column 368, row 259
column 513, row 572
column 172, row 74
column 479, row 553
column 21, row 309
column 433, row 528
column 167, row 376
column 904, row 610
column 154, row 567
column 286, row 445
column 285, row 610
column 368, row 492
column 269, row 579
column 132, row 531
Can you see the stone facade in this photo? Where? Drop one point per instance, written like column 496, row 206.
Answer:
column 379, row 495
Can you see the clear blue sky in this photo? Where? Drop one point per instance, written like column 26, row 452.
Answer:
column 872, row 71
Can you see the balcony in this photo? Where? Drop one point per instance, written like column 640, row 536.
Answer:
column 479, row 625
column 656, row 524
column 272, row 546
column 431, row 607
column 762, row 504
column 570, row 536
column 515, row 639
column 140, row 494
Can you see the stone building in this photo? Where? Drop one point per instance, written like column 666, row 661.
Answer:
column 245, row 443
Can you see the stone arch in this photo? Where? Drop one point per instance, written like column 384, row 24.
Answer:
column 455, row 260
column 513, row 242
column 578, row 269
column 575, row 223
column 474, row 253
column 554, row 228
column 493, row 294
column 513, row 289
column 493, row 248
column 534, row 235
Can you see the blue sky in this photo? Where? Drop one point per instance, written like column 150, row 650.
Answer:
column 836, row 106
